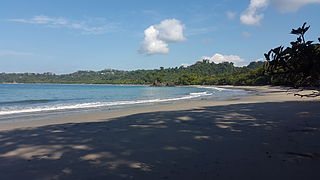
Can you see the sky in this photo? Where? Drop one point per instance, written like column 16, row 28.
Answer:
column 62, row 36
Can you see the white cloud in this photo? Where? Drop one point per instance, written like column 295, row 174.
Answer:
column 84, row 26
column 231, row 15
column 219, row 58
column 42, row 20
column 260, row 59
column 171, row 30
column 152, row 44
column 157, row 37
column 250, row 15
column 14, row 53
column 185, row 65
column 291, row 5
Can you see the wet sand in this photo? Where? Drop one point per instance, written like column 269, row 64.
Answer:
column 269, row 135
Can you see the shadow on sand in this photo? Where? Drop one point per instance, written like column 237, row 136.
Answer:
column 244, row 141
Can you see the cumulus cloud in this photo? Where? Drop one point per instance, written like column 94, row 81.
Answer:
column 285, row 6
column 84, row 26
column 185, row 65
column 152, row 44
column 171, row 30
column 251, row 16
column 231, row 15
column 157, row 37
column 260, row 59
column 219, row 58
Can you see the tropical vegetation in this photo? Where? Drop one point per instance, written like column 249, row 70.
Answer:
column 298, row 65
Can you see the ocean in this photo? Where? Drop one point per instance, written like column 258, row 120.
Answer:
column 18, row 100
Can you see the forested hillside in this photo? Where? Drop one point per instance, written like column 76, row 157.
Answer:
column 297, row 66
column 202, row 72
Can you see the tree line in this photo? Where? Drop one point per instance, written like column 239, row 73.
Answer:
column 202, row 72
column 298, row 65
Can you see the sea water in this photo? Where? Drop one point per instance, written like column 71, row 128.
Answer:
column 18, row 100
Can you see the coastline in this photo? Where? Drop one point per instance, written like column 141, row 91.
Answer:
column 257, row 94
column 82, row 84
column 268, row 135
column 84, row 100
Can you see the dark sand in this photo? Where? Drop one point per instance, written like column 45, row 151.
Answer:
column 271, row 135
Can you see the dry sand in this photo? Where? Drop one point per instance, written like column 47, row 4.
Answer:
column 269, row 135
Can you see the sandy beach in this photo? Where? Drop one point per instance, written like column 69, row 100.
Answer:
column 271, row 134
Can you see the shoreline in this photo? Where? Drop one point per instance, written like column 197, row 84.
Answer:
column 257, row 94
column 103, row 105
column 80, row 84
column 269, row 135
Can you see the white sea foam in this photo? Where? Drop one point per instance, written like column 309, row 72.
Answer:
column 215, row 88
column 200, row 94
column 96, row 104
column 220, row 89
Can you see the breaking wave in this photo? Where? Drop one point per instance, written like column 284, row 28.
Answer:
column 62, row 107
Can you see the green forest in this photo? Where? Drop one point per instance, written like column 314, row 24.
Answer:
column 297, row 66
column 202, row 72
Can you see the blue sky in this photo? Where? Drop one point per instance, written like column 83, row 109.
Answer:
column 65, row 36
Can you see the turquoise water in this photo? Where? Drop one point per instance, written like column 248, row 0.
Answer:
column 26, row 99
